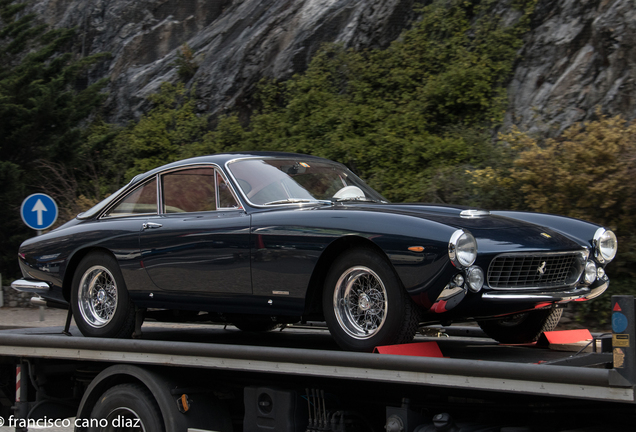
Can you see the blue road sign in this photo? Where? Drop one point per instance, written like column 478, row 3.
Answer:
column 38, row 211
column 619, row 322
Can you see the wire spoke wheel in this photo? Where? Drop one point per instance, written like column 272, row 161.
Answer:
column 99, row 299
column 360, row 302
column 365, row 304
column 97, row 294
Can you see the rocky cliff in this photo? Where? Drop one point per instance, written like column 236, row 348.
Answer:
column 579, row 54
column 235, row 42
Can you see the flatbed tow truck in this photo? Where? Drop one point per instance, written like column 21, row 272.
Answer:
column 211, row 378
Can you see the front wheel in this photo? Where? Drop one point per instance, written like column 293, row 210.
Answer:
column 99, row 298
column 365, row 305
column 523, row 327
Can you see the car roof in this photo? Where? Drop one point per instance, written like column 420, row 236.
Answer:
column 221, row 159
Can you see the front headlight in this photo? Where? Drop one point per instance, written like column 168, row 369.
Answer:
column 462, row 249
column 605, row 245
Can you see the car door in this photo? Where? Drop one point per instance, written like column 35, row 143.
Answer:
column 199, row 241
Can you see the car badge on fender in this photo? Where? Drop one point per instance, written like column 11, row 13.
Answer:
column 546, row 235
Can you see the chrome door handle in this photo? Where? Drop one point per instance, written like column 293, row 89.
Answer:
column 147, row 225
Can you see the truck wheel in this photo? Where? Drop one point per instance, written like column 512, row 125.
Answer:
column 523, row 327
column 99, row 298
column 128, row 407
column 365, row 305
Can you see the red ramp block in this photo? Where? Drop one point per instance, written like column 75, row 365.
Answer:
column 566, row 340
column 419, row 349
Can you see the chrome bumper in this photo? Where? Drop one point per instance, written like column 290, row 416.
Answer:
column 580, row 294
column 24, row 285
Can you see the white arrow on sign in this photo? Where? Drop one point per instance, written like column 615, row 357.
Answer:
column 39, row 207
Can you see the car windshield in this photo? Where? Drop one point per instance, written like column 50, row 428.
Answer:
column 273, row 181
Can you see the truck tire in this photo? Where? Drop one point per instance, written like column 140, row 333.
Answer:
column 364, row 303
column 129, row 407
column 99, row 298
column 523, row 327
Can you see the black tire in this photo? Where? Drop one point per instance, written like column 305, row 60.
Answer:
column 382, row 312
column 99, row 298
column 129, row 405
column 523, row 327
column 255, row 326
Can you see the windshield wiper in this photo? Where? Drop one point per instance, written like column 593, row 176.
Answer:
column 297, row 200
column 365, row 199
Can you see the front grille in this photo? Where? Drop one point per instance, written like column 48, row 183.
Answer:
column 534, row 271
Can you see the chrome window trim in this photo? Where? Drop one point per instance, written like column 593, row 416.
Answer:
column 160, row 192
column 585, row 253
column 216, row 190
column 125, row 195
column 232, row 191
column 216, row 168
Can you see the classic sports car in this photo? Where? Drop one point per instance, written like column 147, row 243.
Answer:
column 258, row 239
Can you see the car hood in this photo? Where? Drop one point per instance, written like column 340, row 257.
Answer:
column 494, row 233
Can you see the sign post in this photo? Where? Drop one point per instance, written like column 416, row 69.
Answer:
column 623, row 343
column 38, row 212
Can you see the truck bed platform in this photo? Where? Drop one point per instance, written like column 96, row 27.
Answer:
column 471, row 361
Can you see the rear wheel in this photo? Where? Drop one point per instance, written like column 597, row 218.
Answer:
column 523, row 327
column 126, row 407
column 99, row 298
column 364, row 303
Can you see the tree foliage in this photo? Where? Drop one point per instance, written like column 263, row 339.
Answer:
column 586, row 173
column 401, row 116
column 185, row 63
column 42, row 103
column 168, row 132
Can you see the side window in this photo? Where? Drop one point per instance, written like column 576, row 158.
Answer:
column 226, row 198
column 190, row 190
column 143, row 200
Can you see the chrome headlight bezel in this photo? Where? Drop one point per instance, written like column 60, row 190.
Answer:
column 605, row 245
column 462, row 249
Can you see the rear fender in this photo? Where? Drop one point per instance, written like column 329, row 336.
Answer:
column 74, row 261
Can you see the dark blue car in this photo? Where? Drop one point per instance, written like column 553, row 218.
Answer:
column 259, row 239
